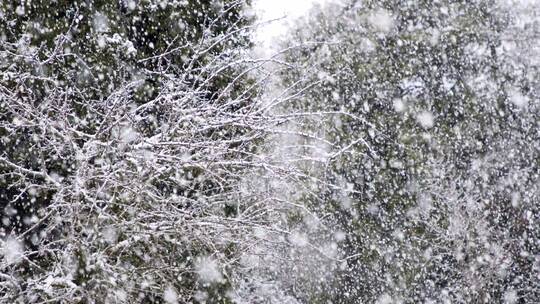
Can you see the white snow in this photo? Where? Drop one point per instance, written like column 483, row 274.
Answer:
column 298, row 239
column 12, row 250
column 385, row 299
column 121, row 295
column 101, row 22
column 381, row 20
column 399, row 105
column 340, row 236
column 510, row 297
column 517, row 98
column 110, row 235
column 332, row 185
column 425, row 119
column 170, row 296
column 131, row 5
column 208, row 270
column 20, row 10
column 515, row 198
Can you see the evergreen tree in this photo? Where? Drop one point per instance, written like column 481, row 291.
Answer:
column 421, row 93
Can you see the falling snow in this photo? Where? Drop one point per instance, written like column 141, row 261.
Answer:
column 170, row 296
column 12, row 251
column 190, row 151
column 425, row 119
column 208, row 270
column 381, row 20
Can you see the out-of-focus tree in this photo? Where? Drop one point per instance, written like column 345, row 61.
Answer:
column 434, row 183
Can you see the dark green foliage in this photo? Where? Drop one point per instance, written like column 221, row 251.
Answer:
column 443, row 59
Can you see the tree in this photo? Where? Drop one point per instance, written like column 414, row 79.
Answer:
column 126, row 129
column 422, row 93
